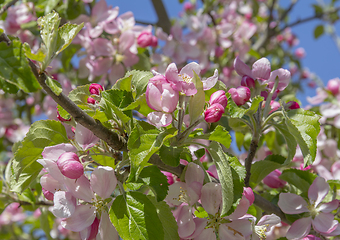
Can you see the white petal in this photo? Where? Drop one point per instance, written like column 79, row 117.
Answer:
column 103, row 181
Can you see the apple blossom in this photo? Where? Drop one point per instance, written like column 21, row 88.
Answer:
column 95, row 89
column 70, row 165
column 213, row 113
column 219, row 97
column 240, row 95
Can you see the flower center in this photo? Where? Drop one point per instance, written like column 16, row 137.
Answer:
column 261, row 231
column 185, row 78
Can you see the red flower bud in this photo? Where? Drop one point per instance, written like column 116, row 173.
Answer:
column 219, row 97
column 70, row 165
column 213, row 113
column 240, row 95
column 96, row 88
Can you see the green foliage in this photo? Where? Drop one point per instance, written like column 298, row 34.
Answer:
column 220, row 134
column 54, row 85
column 135, row 216
column 299, row 178
column 318, row 31
column 171, row 155
column 261, row 169
column 197, row 101
column 23, row 168
column 143, row 143
column 290, row 140
column 224, row 172
column 15, row 72
column 154, row 179
column 305, row 127
column 238, row 112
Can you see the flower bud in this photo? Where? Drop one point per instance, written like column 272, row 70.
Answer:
column 247, row 82
column 249, row 194
column 213, row 113
column 145, row 39
column 96, row 88
column 91, row 101
column 240, row 95
column 272, row 180
column 219, row 97
column 292, row 105
column 48, row 195
column 61, row 119
column 70, row 165
column 333, row 86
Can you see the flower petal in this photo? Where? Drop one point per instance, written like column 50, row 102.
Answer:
column 103, row 181
column 318, row 191
column 328, row 207
column 241, row 68
column 171, row 73
column 211, row 197
column 106, row 229
column 82, row 218
column 80, row 188
column 300, row 228
column 194, row 173
column 324, row 223
column 210, row 81
column 261, row 69
column 85, row 137
column 159, row 119
column 292, row 204
column 207, row 233
column 185, row 222
column 190, row 68
column 64, row 204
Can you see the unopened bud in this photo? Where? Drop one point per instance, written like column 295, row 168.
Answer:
column 47, row 194
column 70, row 165
column 240, row 95
column 333, row 86
column 96, row 88
column 219, row 97
column 247, row 82
column 272, row 180
column 292, row 105
column 91, row 101
column 213, row 113
column 61, row 119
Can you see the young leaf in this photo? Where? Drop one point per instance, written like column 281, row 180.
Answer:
column 220, row 134
column 224, row 172
column 239, row 112
column 170, row 155
column 15, row 73
column 290, row 140
column 139, row 81
column 261, row 169
column 24, row 168
column 66, row 34
column 142, row 144
column 135, row 217
column 304, row 126
column 54, row 85
column 318, row 31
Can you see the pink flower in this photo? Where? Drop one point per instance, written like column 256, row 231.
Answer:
column 272, row 180
column 320, row 216
column 96, row 88
column 146, row 39
column 213, row 113
column 261, row 69
column 247, row 82
column 333, row 86
column 70, row 165
column 300, row 52
column 240, row 95
column 219, row 97
column 292, row 105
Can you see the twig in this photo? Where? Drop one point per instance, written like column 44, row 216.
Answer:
column 115, row 141
column 6, row 6
column 249, row 160
column 155, row 160
column 285, row 13
column 40, row 203
column 163, row 18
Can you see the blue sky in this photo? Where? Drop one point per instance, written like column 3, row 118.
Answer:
column 323, row 57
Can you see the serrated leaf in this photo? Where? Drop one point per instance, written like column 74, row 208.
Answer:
column 220, row 134
column 123, row 84
column 170, row 155
column 66, row 34
column 238, row 112
column 238, row 173
column 260, row 169
column 154, row 179
column 290, row 140
column 142, row 144
column 135, row 217
column 304, row 126
column 139, row 81
column 15, row 72
column 224, row 172
column 168, row 221
column 24, row 168
column 299, row 178
column 51, row 4
column 318, row 31
column 39, row 56
column 54, row 85
column 140, row 105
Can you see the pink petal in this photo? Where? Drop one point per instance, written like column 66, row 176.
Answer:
column 53, row 152
column 117, row 71
column 194, row 173
column 318, row 191
column 271, row 220
column 52, row 168
column 84, row 137
column 328, row 207
column 126, row 40
column 103, row 181
column 80, row 188
column 261, row 69
column 64, row 204
column 200, row 224
column 207, row 233
column 174, row 193
column 188, row 89
column 190, row 68
column 284, row 78
column 210, row 81
column 171, row 73
column 241, row 68
column 241, row 209
column 106, row 229
column 292, row 204
column 300, row 228
column 324, row 223
column 211, row 197
column 82, row 218
column 185, row 222
column 159, row 119
column 51, row 184
column 226, row 232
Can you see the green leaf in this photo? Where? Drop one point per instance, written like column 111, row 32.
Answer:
column 51, row 4
column 140, row 105
column 238, row 173
column 220, row 134
column 225, row 175
column 66, row 34
column 46, row 222
column 142, row 144
column 290, row 140
column 304, row 126
column 24, row 168
column 67, row 55
column 318, row 31
column 15, row 72
column 143, row 63
column 54, row 85
column 170, row 155
column 153, row 178
column 39, row 56
column 238, row 112
column 135, row 217
column 299, row 178
column 123, row 84
column 261, row 169
column 169, row 224
column 139, row 81
column 104, row 160
column 197, row 101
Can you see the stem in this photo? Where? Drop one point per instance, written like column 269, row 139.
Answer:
column 249, row 159
column 269, row 98
column 188, row 130
column 271, row 116
column 6, row 6
column 163, row 18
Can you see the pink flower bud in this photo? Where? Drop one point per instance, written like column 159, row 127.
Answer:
column 249, row 194
column 145, row 39
column 218, row 51
column 154, row 41
column 70, row 165
column 213, row 113
column 333, row 86
column 188, row 6
column 292, row 105
column 96, row 88
column 61, row 119
column 300, row 52
column 272, row 180
column 240, row 95
column 274, row 105
column 48, row 195
column 247, row 82
column 219, row 97
column 91, row 100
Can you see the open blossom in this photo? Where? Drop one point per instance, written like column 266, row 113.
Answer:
column 320, row 216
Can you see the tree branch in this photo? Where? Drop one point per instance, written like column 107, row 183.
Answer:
column 6, row 6
column 115, row 141
column 163, row 18
column 249, row 160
